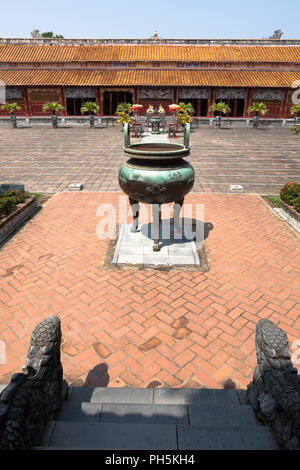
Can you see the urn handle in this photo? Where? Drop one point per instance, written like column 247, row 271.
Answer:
column 126, row 135
column 187, row 131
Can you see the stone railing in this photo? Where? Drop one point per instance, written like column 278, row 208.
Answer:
column 176, row 41
column 274, row 392
column 35, row 394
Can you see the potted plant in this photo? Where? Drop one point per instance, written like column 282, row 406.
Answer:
column 91, row 108
column 55, row 108
column 184, row 113
column 124, row 112
column 257, row 108
column 219, row 108
column 296, row 110
column 11, row 108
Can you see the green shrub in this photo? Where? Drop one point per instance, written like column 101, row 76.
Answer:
column 16, row 195
column 290, row 192
column 10, row 199
column 297, row 204
column 6, row 205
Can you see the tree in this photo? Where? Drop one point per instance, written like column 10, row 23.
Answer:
column 187, row 107
column 55, row 108
column 124, row 112
column 10, row 107
column 89, row 107
column 50, row 34
column 296, row 109
column 184, row 113
column 278, row 33
column 220, row 108
column 258, row 108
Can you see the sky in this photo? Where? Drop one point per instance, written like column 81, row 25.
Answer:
column 139, row 18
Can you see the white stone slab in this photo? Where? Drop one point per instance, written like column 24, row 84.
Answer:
column 137, row 249
column 157, row 138
column 130, row 259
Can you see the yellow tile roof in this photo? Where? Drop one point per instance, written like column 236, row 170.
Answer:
column 28, row 53
column 142, row 77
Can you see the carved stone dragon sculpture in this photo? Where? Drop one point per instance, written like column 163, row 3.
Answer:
column 33, row 396
column 274, row 392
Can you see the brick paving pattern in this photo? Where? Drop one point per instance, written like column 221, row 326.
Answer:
column 145, row 328
column 48, row 160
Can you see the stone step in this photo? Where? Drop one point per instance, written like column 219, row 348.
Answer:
column 205, row 415
column 124, row 436
column 160, row 396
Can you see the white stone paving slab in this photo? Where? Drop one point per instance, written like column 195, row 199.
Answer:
column 136, row 249
column 157, row 138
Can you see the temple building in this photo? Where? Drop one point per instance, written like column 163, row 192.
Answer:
column 150, row 71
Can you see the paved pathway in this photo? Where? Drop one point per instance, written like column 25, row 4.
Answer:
column 48, row 160
column 142, row 328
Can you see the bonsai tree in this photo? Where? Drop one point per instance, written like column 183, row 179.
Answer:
column 124, row 112
column 124, row 108
column 188, row 107
column 123, row 117
column 184, row 113
column 91, row 108
column 219, row 108
column 257, row 108
column 55, row 108
column 11, row 108
column 296, row 110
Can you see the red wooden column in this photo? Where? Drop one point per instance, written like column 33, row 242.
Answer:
column 284, row 105
column 27, row 104
column 175, row 95
column 135, row 94
column 211, row 100
column 247, row 103
column 98, row 101
column 62, row 100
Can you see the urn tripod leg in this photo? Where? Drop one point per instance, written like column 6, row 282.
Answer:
column 135, row 207
column 156, row 213
column 176, row 210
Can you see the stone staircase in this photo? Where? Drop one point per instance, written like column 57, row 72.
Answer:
column 156, row 419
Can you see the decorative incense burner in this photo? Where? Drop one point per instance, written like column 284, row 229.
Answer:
column 155, row 122
column 156, row 174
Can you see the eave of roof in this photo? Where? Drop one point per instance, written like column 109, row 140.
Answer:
column 28, row 53
column 141, row 77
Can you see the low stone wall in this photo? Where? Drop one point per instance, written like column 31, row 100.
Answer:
column 22, row 212
column 23, row 121
column 291, row 211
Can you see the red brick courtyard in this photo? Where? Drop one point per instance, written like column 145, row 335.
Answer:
column 140, row 328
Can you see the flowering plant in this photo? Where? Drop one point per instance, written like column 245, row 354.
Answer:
column 290, row 193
